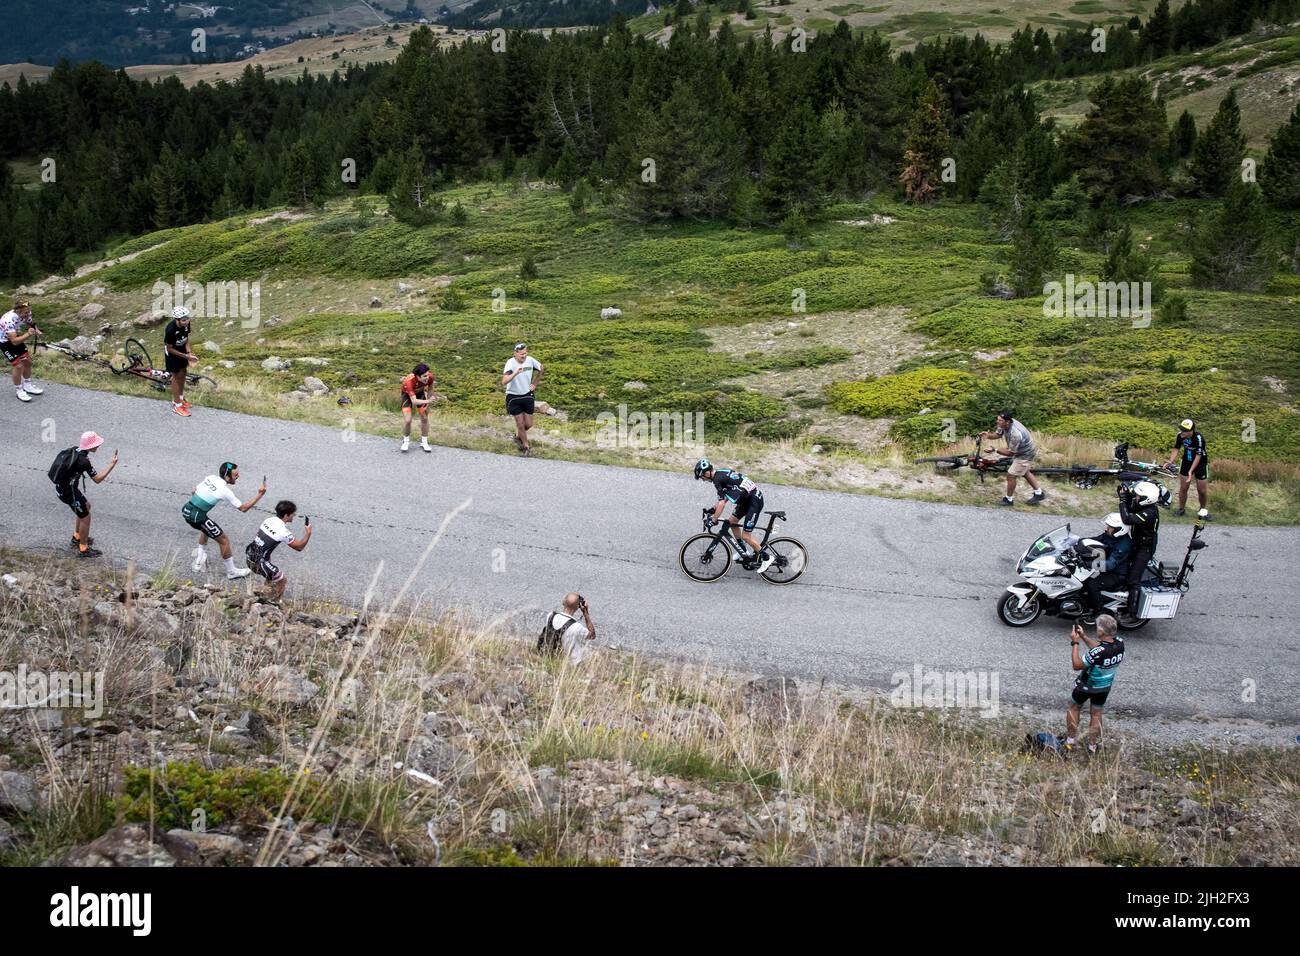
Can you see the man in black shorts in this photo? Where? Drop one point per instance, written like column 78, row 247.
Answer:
column 1193, row 462
column 176, row 346
column 273, row 533
column 69, row 472
column 521, row 376
column 1097, row 665
column 745, row 495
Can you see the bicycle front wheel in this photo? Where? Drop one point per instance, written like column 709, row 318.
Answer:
column 791, row 561
column 704, row 558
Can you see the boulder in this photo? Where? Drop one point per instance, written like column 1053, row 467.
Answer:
column 127, row 846
column 211, row 346
column 610, row 313
column 282, row 684
column 212, row 849
column 314, row 385
column 147, row 320
column 17, row 792
column 275, row 364
column 90, row 312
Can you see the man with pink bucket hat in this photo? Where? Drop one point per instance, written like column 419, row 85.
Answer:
column 70, row 469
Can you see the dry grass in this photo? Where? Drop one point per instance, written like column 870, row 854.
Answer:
column 810, row 778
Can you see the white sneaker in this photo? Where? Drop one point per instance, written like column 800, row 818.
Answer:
column 406, row 444
column 31, row 388
column 766, row 562
column 200, row 560
column 425, row 445
column 22, row 395
column 238, row 573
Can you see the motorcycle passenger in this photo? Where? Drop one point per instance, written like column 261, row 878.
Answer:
column 1138, row 510
column 1117, row 544
column 741, row 491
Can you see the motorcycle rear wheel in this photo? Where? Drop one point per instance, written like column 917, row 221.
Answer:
column 1013, row 614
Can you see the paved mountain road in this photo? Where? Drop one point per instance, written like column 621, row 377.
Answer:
column 891, row 583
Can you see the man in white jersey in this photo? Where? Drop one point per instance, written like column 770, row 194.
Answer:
column 273, row 533
column 207, row 494
column 16, row 330
column 521, row 376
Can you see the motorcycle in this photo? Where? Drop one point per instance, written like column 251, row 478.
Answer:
column 1055, row 567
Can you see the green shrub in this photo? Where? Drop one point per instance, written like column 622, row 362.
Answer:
column 168, row 797
column 1015, row 391
column 924, row 431
column 778, row 429
column 898, row 395
column 452, row 301
column 1114, row 428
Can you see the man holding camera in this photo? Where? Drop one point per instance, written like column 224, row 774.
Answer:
column 1097, row 664
column 573, row 634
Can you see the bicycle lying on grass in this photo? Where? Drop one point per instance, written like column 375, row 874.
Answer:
column 706, row 557
column 133, row 359
column 979, row 463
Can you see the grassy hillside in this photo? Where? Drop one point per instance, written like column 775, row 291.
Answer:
column 1264, row 70
column 390, row 740
column 708, row 326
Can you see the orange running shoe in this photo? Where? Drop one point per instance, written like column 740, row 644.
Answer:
column 181, row 410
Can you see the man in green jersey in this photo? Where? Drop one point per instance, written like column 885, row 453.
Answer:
column 210, row 491
column 1096, row 663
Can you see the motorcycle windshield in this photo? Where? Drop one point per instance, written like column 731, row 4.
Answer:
column 1054, row 542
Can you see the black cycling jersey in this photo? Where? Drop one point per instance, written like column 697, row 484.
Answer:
column 1192, row 446
column 176, row 337
column 732, row 485
column 1144, row 525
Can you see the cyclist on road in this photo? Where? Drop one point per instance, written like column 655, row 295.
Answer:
column 176, row 345
column 274, row 532
column 16, row 330
column 70, row 470
column 210, row 491
column 417, row 394
column 741, row 492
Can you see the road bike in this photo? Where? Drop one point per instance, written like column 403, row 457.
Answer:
column 134, row 360
column 979, row 463
column 706, row 557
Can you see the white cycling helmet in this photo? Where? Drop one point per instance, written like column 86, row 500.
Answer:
column 1146, row 492
column 180, row 312
column 1116, row 524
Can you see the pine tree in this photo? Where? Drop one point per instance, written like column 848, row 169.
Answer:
column 412, row 199
column 1033, row 254
column 1232, row 248
column 165, row 185
column 1126, row 264
column 1216, row 158
column 790, row 176
column 1182, row 137
column 1279, row 176
column 1157, row 33
column 302, row 177
column 1114, row 149
column 928, row 140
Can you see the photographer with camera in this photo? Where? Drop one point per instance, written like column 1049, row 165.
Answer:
column 564, row 632
column 1097, row 664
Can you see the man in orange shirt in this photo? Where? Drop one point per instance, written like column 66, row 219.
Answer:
column 417, row 393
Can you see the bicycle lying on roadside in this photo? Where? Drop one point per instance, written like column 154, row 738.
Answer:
column 133, row 360
column 706, row 557
column 979, row 463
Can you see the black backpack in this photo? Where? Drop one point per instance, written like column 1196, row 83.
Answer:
column 61, row 470
column 552, row 638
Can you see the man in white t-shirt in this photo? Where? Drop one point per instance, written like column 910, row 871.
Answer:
column 521, row 376
column 273, row 533
column 576, row 634
column 16, row 330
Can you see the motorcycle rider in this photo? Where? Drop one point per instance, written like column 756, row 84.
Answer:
column 1138, row 510
column 1117, row 544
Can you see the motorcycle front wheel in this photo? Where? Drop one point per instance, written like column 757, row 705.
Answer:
column 1013, row 612
column 704, row 558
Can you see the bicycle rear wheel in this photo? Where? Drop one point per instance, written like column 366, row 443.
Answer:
column 201, row 383
column 942, row 464
column 704, row 558
column 791, row 561
column 137, row 356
